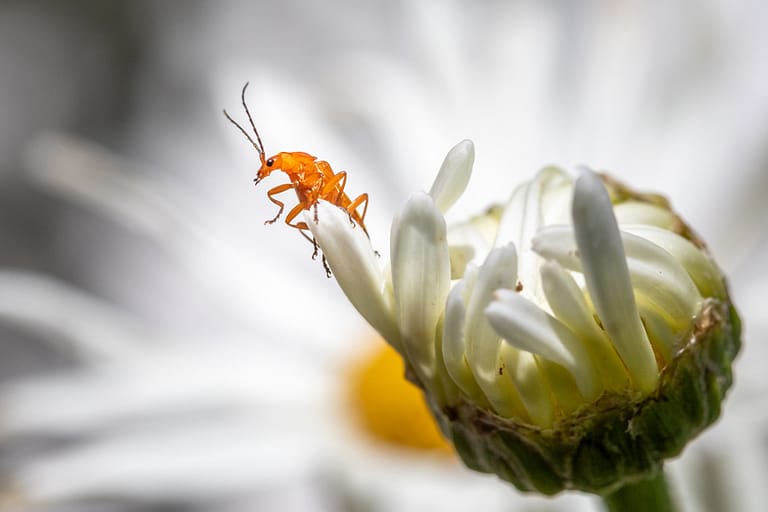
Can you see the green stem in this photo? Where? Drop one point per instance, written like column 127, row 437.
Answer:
column 650, row 495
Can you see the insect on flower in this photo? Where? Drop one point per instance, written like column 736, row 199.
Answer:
column 311, row 179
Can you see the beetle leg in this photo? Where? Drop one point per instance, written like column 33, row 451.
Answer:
column 309, row 238
column 271, row 193
column 303, row 228
column 328, row 272
column 359, row 200
column 352, row 210
column 317, row 249
column 336, row 185
column 293, row 214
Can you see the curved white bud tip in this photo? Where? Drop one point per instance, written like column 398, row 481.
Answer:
column 420, row 278
column 498, row 271
column 607, row 276
column 454, row 175
column 453, row 343
column 355, row 266
column 482, row 343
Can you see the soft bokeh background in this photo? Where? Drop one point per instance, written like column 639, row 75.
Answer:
column 161, row 349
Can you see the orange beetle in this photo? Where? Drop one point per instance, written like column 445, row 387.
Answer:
column 310, row 178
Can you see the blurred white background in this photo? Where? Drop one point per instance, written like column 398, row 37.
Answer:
column 162, row 349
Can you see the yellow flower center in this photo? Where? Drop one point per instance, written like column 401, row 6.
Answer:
column 387, row 407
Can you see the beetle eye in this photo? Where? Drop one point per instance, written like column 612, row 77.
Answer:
column 270, row 162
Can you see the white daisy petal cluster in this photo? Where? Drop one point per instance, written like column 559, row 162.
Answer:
column 535, row 308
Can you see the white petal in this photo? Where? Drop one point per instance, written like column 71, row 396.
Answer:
column 41, row 303
column 470, row 241
column 663, row 338
column 356, row 267
column 165, row 382
column 700, row 266
column 482, row 343
column 525, row 214
column 92, row 176
column 639, row 212
column 166, row 461
column 454, row 175
column 527, row 327
column 510, row 229
column 662, row 281
column 460, row 256
column 569, row 305
column 420, row 277
column 529, row 204
column 607, row 276
column 649, row 265
column 521, row 368
column 661, row 285
column 562, row 384
column 453, row 343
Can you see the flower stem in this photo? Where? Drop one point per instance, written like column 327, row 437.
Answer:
column 642, row 496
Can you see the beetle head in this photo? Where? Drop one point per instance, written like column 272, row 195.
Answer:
column 268, row 165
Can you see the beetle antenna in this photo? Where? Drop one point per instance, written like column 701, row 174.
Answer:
column 250, row 119
column 242, row 130
column 258, row 147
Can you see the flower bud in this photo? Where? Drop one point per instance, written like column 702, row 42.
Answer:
column 574, row 337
